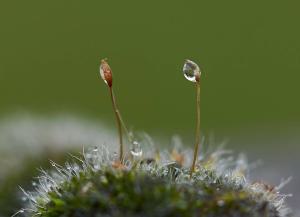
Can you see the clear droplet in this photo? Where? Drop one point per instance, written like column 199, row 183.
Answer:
column 136, row 150
column 221, row 203
column 95, row 149
column 34, row 184
column 191, row 71
column 96, row 167
column 115, row 156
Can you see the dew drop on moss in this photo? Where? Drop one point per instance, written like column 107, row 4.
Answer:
column 221, row 203
column 136, row 150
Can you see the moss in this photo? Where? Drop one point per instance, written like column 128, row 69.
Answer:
column 100, row 187
column 131, row 193
column 10, row 197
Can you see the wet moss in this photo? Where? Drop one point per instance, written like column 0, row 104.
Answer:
column 115, row 193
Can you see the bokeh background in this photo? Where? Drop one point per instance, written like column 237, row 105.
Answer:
column 249, row 53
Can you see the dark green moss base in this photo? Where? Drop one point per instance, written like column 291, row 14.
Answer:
column 114, row 193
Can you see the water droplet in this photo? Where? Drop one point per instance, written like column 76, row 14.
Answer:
column 34, row 184
column 24, row 199
column 136, row 150
column 96, row 167
column 21, row 211
column 95, row 149
column 115, row 156
column 191, row 71
column 220, row 202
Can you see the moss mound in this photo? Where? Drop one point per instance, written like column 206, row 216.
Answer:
column 130, row 193
column 98, row 185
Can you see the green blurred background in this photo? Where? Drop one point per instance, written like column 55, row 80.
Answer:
column 249, row 52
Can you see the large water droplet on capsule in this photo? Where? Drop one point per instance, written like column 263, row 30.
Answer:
column 191, row 71
column 136, row 150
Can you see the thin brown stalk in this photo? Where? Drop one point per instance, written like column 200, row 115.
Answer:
column 197, row 133
column 118, row 119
